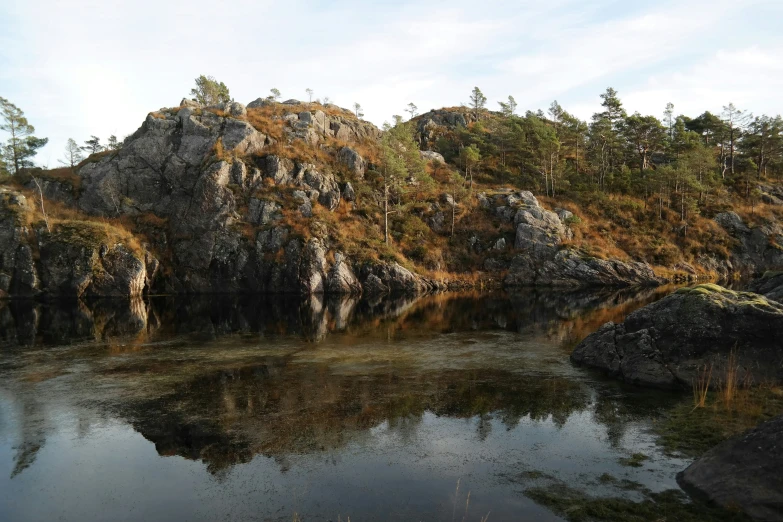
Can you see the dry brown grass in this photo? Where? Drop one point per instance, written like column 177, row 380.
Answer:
column 701, row 385
column 73, row 225
column 263, row 122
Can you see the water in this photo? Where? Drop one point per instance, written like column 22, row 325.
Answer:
column 258, row 408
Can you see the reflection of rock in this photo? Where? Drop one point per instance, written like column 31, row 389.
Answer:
column 668, row 343
column 743, row 472
column 313, row 317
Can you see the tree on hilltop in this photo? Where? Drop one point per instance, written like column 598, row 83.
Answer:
column 508, row 108
column 412, row 110
column 114, row 143
column 477, row 100
column 93, row 145
column 209, row 92
column 22, row 145
column 73, row 154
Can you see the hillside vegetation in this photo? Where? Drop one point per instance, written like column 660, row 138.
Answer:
column 447, row 195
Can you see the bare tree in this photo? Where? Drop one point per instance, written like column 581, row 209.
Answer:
column 41, row 199
column 309, row 92
column 73, row 154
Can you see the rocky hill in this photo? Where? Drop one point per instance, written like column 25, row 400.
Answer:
column 295, row 197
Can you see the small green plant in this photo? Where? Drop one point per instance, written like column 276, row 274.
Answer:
column 634, row 461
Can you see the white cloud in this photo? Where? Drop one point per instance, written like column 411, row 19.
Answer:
column 84, row 67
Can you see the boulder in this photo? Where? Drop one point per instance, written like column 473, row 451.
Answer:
column 430, row 155
column 348, row 193
column 260, row 102
column 191, row 104
column 668, row 343
column 394, row 278
column 564, row 214
column 447, row 199
column 341, row 279
column 538, row 232
column 743, row 473
column 353, row 160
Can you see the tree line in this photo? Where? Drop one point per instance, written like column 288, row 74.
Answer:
column 678, row 160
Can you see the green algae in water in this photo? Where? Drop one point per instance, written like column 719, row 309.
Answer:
column 635, row 461
column 692, row 431
column 670, row 505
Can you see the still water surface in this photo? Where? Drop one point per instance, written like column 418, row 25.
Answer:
column 259, row 408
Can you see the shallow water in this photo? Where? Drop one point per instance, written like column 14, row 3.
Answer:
column 258, row 408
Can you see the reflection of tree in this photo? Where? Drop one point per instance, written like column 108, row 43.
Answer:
column 32, row 433
column 277, row 409
column 224, row 407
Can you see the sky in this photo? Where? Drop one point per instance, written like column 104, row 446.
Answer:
column 81, row 68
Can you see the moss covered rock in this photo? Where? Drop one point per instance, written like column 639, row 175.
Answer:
column 701, row 330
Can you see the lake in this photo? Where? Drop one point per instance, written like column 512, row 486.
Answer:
column 448, row 407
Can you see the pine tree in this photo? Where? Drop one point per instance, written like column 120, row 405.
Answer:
column 93, row 145
column 477, row 101
column 22, row 145
column 209, row 92
column 113, row 143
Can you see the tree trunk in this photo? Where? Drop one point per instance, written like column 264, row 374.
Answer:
column 386, row 211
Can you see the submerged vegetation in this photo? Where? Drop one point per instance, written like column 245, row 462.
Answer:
column 666, row 506
column 717, row 416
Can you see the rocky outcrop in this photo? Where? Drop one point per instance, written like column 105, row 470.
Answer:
column 771, row 194
column 18, row 273
column 72, row 269
column 67, row 259
column 757, row 249
column 670, row 343
column 569, row 268
column 543, row 261
column 353, row 161
column 743, row 473
column 206, row 172
column 393, row 278
column 435, row 123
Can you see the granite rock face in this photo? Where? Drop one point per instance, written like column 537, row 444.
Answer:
column 669, row 343
column 757, row 248
column 200, row 170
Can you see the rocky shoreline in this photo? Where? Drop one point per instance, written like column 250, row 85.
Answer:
column 708, row 337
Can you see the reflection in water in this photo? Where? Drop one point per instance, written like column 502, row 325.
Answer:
column 568, row 316
column 279, row 391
